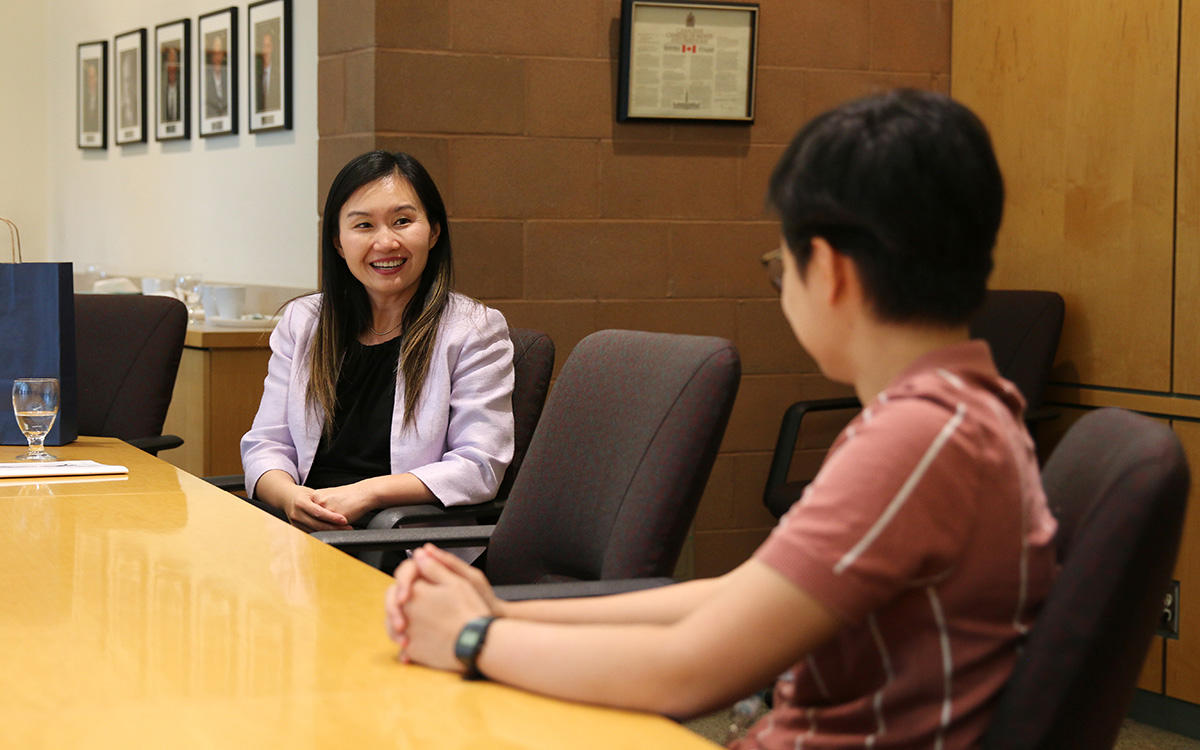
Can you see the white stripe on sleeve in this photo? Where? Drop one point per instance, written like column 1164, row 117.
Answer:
column 905, row 490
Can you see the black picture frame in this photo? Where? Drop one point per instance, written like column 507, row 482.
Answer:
column 173, row 80
column 269, row 70
column 129, row 88
column 91, row 94
column 217, row 64
column 711, row 77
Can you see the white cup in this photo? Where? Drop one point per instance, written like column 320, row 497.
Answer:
column 230, row 301
column 151, row 285
column 208, row 300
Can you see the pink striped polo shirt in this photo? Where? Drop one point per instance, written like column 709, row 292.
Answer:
column 927, row 532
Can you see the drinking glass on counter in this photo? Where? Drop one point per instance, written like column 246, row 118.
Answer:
column 188, row 286
column 35, row 401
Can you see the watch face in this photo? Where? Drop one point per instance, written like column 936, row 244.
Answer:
column 469, row 639
column 469, row 642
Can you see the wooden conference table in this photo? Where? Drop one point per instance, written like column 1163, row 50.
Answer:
column 156, row 611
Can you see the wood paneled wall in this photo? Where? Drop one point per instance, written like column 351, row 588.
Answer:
column 1080, row 100
column 570, row 222
column 1187, row 226
column 1103, row 174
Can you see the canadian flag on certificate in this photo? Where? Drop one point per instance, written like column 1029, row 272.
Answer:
column 689, row 48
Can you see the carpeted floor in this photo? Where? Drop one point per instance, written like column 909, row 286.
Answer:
column 1134, row 736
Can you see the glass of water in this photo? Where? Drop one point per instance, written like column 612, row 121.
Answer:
column 35, row 400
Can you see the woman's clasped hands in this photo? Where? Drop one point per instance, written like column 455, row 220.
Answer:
column 304, row 509
column 328, row 509
column 434, row 596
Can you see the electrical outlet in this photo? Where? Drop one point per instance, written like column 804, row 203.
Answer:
column 1168, row 622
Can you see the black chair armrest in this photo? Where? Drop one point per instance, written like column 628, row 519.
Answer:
column 367, row 540
column 402, row 515
column 156, row 443
column 228, row 482
column 572, row 589
column 789, row 429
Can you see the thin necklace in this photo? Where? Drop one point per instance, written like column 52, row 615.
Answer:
column 384, row 333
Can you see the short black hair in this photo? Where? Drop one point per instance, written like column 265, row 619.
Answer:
column 907, row 186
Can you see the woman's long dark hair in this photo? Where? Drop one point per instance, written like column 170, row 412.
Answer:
column 345, row 310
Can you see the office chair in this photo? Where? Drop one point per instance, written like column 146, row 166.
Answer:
column 128, row 349
column 533, row 363
column 1118, row 485
column 613, row 475
column 1022, row 329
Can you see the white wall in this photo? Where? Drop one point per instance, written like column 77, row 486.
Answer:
column 23, row 117
column 239, row 208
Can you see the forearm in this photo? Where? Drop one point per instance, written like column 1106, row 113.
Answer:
column 661, row 605
column 730, row 636
column 645, row 667
column 391, row 490
column 749, row 627
column 273, row 487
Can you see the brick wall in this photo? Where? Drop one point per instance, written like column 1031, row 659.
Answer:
column 570, row 222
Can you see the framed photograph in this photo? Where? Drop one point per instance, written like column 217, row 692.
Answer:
column 172, row 90
column 270, row 37
column 91, row 76
column 217, row 36
column 129, row 100
column 687, row 60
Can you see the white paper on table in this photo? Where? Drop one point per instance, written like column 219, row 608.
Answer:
column 57, row 469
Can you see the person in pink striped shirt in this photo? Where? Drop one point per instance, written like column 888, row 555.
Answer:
column 890, row 602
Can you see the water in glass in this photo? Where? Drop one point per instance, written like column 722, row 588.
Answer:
column 35, row 401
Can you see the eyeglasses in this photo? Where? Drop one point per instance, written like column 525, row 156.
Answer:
column 772, row 261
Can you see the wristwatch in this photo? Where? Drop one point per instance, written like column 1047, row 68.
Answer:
column 470, row 643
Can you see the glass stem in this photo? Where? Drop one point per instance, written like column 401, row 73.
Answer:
column 37, row 444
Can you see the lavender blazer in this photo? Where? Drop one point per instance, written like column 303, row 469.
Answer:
column 461, row 440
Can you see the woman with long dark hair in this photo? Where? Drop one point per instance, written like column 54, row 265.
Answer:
column 386, row 388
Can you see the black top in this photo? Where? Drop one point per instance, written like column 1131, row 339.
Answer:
column 362, row 420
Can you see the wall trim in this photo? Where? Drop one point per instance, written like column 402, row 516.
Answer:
column 1166, row 713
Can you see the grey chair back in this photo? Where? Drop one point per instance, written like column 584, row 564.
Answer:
column 533, row 363
column 620, row 458
column 128, row 349
column 1022, row 328
column 1118, row 484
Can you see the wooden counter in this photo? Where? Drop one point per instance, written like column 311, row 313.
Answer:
column 216, row 396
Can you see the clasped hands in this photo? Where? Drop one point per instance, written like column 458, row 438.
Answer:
column 435, row 594
column 330, row 509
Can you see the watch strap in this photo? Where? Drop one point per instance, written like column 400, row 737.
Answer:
column 470, row 643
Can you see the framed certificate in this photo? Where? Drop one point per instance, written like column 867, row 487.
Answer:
column 91, row 71
column 687, row 60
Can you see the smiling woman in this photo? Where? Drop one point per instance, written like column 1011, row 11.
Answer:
column 386, row 388
column 385, row 237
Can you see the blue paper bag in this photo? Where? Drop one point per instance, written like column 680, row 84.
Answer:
column 37, row 340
